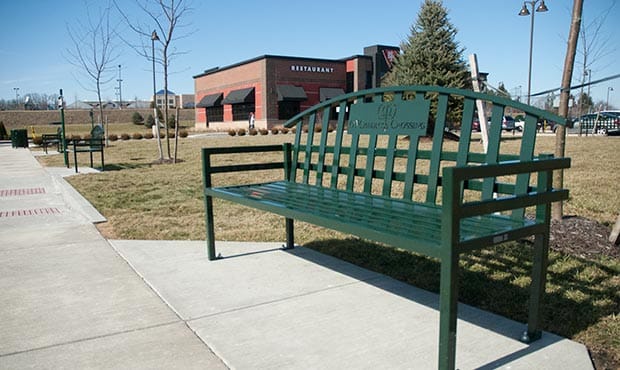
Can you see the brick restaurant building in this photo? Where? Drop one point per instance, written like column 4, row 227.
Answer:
column 276, row 88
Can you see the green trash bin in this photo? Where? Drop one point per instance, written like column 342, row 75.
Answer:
column 19, row 138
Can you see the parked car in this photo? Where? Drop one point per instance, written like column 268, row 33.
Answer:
column 475, row 125
column 508, row 123
column 598, row 123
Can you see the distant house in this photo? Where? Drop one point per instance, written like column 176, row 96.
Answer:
column 182, row 100
column 79, row 105
column 160, row 96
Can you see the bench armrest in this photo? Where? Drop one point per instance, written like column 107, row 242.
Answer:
column 454, row 178
column 208, row 169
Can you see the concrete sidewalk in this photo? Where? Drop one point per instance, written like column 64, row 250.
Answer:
column 72, row 299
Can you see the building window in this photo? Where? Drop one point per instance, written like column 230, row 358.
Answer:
column 241, row 111
column 288, row 109
column 215, row 114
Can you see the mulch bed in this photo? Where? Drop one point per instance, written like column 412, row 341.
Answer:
column 583, row 238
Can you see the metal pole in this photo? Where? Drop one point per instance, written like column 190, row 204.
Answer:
column 607, row 103
column 120, row 95
column 61, row 106
column 529, row 71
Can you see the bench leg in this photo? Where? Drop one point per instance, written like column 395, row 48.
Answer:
column 537, row 289
column 75, row 160
column 210, row 228
column 290, row 234
column 91, row 159
column 102, row 164
column 448, row 302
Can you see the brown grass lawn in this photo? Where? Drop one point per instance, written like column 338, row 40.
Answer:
column 142, row 200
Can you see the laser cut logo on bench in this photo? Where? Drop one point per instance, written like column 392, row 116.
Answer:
column 401, row 117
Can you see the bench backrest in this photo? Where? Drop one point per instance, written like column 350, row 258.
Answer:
column 391, row 141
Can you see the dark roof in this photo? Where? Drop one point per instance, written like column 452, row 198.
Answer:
column 161, row 92
column 239, row 96
column 291, row 93
column 326, row 93
column 210, row 100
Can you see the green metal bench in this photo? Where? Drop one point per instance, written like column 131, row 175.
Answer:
column 95, row 143
column 52, row 139
column 373, row 177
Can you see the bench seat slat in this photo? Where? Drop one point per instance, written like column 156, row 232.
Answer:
column 378, row 218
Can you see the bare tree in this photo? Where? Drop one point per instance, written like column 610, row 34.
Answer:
column 93, row 49
column 567, row 75
column 166, row 17
column 594, row 46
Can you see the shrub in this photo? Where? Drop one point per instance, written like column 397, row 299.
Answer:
column 318, row 128
column 263, row 131
column 241, row 132
column 284, row 130
column 171, row 135
column 87, row 137
column 3, row 134
column 294, row 129
column 148, row 135
column 183, row 133
column 232, row 132
column 125, row 137
column 253, row 132
column 137, row 119
column 136, row 136
column 75, row 138
column 37, row 140
column 275, row 131
column 150, row 121
column 112, row 137
column 171, row 121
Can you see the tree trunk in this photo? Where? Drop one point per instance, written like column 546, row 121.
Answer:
column 569, row 62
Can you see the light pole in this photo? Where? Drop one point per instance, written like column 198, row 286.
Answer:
column 607, row 103
column 524, row 11
column 16, row 96
column 154, row 38
column 120, row 95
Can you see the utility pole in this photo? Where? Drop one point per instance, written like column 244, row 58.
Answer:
column 120, row 95
column 560, row 137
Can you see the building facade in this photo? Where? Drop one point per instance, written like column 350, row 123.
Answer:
column 275, row 88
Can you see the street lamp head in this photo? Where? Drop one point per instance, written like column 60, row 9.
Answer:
column 524, row 10
column 542, row 7
column 154, row 36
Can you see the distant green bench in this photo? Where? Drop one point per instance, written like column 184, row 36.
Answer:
column 95, row 143
column 52, row 139
column 372, row 177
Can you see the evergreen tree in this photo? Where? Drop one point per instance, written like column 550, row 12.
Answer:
column 431, row 55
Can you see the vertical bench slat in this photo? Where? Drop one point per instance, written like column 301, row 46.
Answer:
column 323, row 146
column 295, row 157
column 389, row 165
column 338, row 145
column 440, row 123
column 412, row 154
column 495, row 135
column 355, row 138
column 308, row 153
column 526, row 153
column 465, row 138
column 370, row 163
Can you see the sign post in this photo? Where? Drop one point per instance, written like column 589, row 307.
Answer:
column 61, row 106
